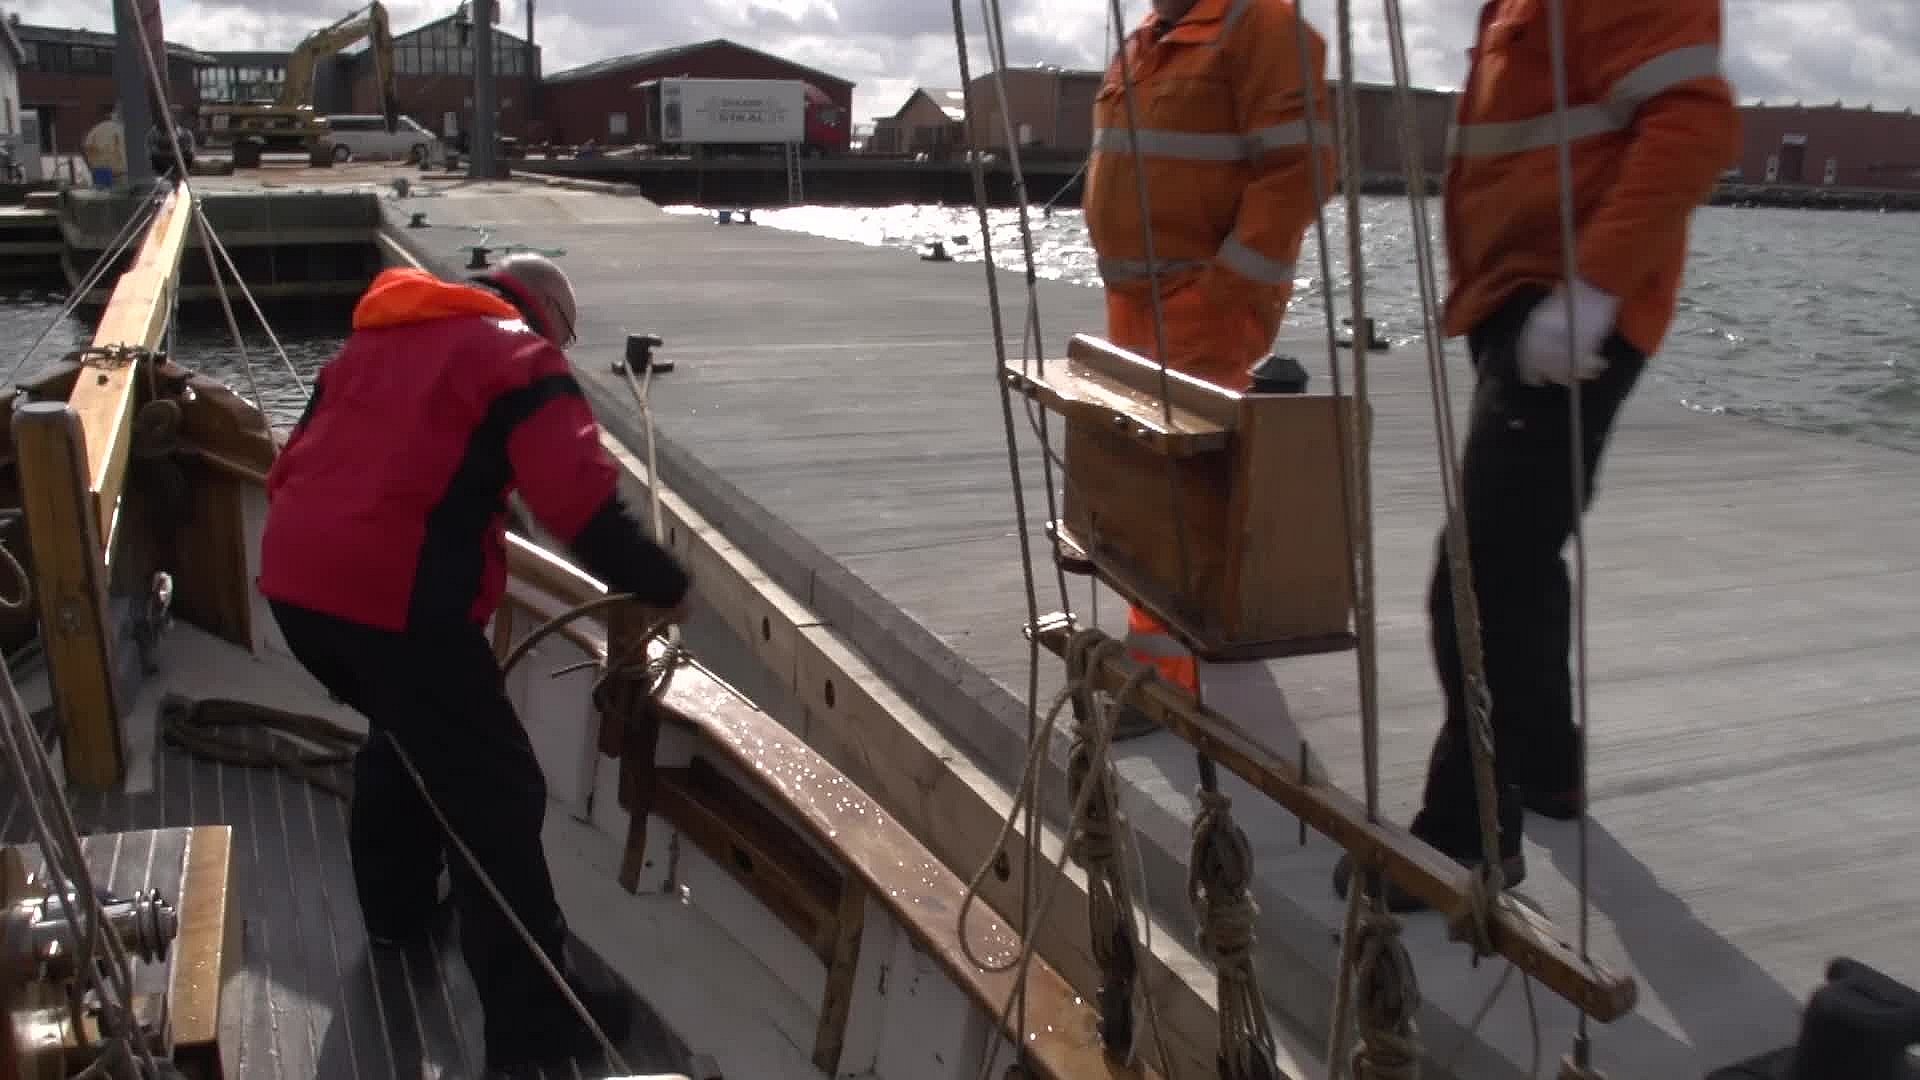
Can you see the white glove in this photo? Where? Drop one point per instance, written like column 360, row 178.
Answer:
column 1546, row 340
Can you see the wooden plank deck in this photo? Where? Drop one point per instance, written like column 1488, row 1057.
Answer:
column 309, row 996
column 1751, row 618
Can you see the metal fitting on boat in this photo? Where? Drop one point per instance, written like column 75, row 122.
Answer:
column 36, row 934
column 640, row 355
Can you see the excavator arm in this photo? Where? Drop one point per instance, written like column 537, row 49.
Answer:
column 368, row 22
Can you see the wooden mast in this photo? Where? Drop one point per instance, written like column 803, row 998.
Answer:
column 72, row 465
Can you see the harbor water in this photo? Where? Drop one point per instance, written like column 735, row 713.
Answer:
column 1794, row 317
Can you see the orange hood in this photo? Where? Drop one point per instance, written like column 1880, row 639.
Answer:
column 400, row 297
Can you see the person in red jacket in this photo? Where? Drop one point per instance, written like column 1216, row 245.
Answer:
column 383, row 559
column 1650, row 123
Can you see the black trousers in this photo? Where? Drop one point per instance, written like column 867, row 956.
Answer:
column 1519, row 504
column 442, row 698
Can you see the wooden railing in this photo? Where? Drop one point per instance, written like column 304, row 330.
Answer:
column 71, row 458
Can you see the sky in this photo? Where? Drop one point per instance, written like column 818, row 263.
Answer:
column 1817, row 51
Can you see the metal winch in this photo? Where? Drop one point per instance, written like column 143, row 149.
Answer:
column 37, row 931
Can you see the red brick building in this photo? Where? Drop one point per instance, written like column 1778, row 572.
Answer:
column 929, row 122
column 598, row 101
column 1829, row 146
column 67, row 78
column 433, row 77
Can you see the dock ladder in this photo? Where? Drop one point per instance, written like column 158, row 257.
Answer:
column 795, row 194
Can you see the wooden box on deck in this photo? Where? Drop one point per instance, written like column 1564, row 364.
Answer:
column 1259, row 479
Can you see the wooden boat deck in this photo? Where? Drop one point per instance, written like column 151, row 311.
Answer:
column 310, row 998
column 1752, row 620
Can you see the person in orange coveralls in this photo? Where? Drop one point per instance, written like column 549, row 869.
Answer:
column 1652, row 124
column 1221, row 105
column 383, row 558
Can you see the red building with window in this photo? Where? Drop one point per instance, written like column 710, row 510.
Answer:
column 1829, row 146
column 67, row 78
column 598, row 102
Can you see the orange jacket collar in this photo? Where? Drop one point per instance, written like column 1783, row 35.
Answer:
column 406, row 295
column 1199, row 26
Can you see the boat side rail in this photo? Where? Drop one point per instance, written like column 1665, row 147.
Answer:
column 800, row 837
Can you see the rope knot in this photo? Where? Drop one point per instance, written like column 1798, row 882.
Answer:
column 1473, row 922
column 1387, row 995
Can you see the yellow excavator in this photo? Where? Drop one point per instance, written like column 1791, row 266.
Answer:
column 288, row 124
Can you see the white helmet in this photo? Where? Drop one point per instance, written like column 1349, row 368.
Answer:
column 540, row 289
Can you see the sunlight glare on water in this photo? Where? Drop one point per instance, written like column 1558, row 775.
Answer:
column 1802, row 318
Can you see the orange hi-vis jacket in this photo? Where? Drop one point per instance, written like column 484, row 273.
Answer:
column 1220, row 102
column 1651, row 124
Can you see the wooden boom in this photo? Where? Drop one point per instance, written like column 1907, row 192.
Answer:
column 72, row 463
column 1526, row 939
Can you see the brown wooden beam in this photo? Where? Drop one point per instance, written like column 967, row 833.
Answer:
column 836, row 1001
column 70, row 590
column 1528, row 940
column 133, row 325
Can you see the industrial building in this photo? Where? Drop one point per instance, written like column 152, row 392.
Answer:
column 596, row 102
column 1051, row 114
column 433, row 77
column 1829, row 146
column 66, row 77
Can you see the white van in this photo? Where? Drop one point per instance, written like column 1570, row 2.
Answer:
column 367, row 138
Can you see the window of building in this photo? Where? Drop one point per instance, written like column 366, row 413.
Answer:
column 616, row 123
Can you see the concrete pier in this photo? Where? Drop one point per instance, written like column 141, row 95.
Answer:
column 832, row 412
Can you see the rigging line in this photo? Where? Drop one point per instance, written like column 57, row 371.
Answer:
column 997, row 52
column 614, row 1056
column 59, row 840
column 1487, row 879
column 1359, row 462
column 1031, row 346
column 233, row 325
column 246, row 293
column 1354, row 478
column 978, row 171
column 1174, row 504
column 130, row 229
column 1563, row 153
column 207, row 232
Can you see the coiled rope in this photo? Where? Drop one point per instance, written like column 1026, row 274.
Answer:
column 1220, row 870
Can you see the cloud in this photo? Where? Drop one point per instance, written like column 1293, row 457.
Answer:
column 1816, row 51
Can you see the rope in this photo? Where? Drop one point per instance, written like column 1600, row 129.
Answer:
column 1034, row 727
column 1388, row 995
column 1487, row 883
column 311, row 748
column 1084, row 650
column 1095, row 843
column 1220, row 870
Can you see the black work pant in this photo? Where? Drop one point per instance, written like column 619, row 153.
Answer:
column 441, row 696
column 1517, row 487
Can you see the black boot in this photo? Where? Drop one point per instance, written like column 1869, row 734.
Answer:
column 560, row 1037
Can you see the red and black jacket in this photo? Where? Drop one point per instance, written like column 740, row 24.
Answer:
column 388, row 505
